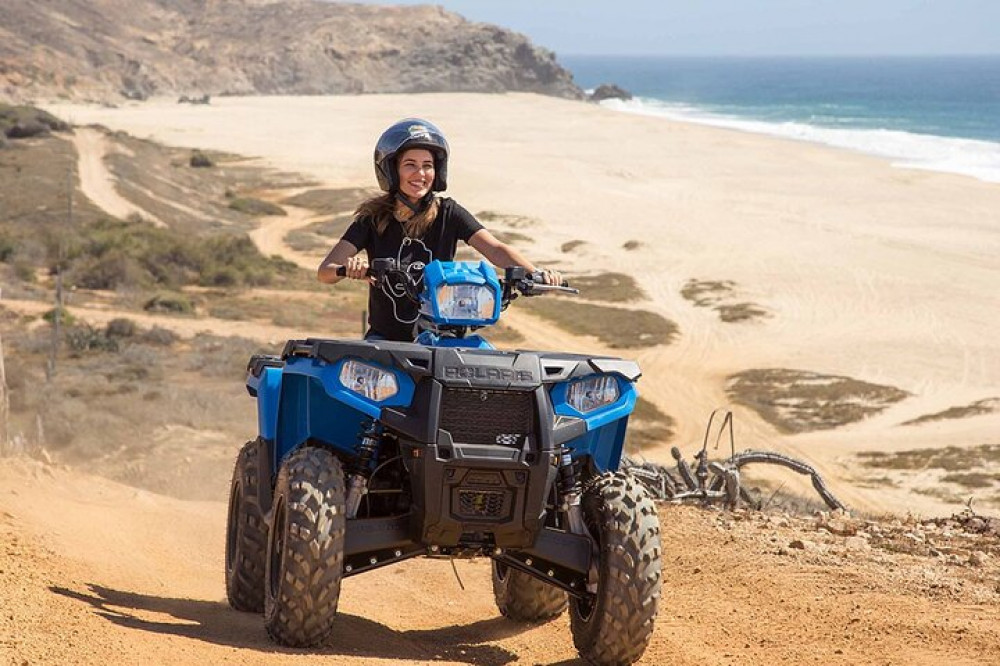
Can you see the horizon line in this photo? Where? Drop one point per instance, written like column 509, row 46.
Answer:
column 777, row 55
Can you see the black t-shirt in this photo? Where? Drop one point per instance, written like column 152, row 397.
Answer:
column 393, row 317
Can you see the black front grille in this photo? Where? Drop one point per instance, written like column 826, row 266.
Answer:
column 481, row 416
column 482, row 503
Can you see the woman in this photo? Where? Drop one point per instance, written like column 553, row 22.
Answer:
column 410, row 223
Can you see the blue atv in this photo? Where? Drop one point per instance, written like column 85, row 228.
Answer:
column 373, row 452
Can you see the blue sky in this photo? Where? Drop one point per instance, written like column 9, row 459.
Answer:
column 745, row 27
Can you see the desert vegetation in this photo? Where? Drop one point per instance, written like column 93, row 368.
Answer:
column 802, row 401
column 721, row 296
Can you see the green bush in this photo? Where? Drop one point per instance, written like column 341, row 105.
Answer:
column 120, row 328
column 256, row 207
column 6, row 248
column 200, row 160
column 84, row 337
column 159, row 336
column 110, row 254
column 169, row 302
column 65, row 317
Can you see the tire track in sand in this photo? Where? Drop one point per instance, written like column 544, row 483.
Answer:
column 97, row 183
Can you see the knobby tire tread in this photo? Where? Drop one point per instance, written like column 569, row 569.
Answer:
column 524, row 598
column 620, row 624
column 300, row 608
column 246, row 535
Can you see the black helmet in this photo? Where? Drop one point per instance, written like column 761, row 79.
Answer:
column 403, row 135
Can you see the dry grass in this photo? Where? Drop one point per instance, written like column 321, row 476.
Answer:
column 706, row 293
column 719, row 295
column 255, row 207
column 319, row 235
column 608, row 287
column 329, row 201
column 951, row 473
column 492, row 218
column 618, row 328
column 987, row 406
column 571, row 245
column 801, row 401
column 342, row 305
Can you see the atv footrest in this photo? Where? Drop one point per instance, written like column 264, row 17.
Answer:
column 559, row 558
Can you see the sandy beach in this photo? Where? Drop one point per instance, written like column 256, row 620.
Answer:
column 877, row 273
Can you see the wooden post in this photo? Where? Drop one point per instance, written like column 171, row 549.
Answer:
column 50, row 367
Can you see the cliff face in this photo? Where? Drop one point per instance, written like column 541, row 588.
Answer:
column 106, row 49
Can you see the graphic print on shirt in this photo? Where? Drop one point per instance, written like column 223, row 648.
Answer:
column 415, row 259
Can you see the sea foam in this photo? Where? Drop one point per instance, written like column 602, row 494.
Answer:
column 969, row 157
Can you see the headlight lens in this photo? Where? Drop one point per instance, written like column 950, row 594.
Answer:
column 589, row 394
column 466, row 301
column 368, row 380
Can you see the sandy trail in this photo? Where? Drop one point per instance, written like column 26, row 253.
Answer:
column 269, row 237
column 97, row 182
column 101, row 573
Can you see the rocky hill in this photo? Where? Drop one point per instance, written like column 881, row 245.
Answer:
column 109, row 49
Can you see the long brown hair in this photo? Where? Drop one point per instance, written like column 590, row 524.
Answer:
column 385, row 208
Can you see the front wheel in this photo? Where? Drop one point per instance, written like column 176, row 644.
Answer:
column 305, row 551
column 614, row 625
column 523, row 597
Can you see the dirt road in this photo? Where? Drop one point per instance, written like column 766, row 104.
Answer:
column 93, row 573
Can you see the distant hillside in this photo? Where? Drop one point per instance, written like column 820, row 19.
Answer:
column 108, row 49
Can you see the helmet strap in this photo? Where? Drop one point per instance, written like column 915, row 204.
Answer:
column 415, row 208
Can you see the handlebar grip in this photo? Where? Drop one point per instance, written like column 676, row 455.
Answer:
column 342, row 271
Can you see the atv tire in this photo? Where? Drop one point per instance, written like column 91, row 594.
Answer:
column 524, row 598
column 614, row 625
column 246, row 535
column 305, row 551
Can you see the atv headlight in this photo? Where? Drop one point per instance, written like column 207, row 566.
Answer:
column 589, row 394
column 370, row 381
column 466, row 301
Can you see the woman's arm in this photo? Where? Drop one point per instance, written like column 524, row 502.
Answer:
column 502, row 255
column 342, row 254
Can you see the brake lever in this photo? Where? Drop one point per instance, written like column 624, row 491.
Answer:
column 566, row 289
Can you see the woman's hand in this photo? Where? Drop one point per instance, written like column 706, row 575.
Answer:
column 357, row 268
column 551, row 277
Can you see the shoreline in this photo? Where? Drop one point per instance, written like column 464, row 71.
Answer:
column 937, row 153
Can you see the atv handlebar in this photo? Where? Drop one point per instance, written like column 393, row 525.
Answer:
column 516, row 278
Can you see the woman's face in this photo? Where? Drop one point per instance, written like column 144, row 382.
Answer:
column 416, row 173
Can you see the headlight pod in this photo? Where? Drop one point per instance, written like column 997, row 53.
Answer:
column 466, row 301
column 589, row 394
column 370, row 381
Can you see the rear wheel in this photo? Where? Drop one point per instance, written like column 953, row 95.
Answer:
column 614, row 625
column 246, row 535
column 305, row 553
column 523, row 597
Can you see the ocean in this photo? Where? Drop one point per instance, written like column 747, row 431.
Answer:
column 935, row 113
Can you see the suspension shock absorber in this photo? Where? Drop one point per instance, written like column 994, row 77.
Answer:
column 570, row 492
column 357, row 481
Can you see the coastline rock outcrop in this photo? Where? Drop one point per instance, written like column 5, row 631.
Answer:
column 609, row 91
column 106, row 50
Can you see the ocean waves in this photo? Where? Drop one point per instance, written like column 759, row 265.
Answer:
column 968, row 157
